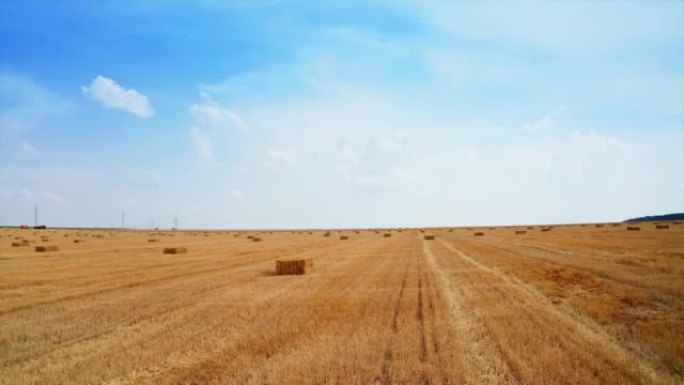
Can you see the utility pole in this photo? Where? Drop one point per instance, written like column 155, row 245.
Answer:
column 123, row 220
column 175, row 222
column 35, row 215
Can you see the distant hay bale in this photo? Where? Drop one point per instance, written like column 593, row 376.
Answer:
column 633, row 228
column 327, row 234
column 518, row 232
column 78, row 241
column 153, row 240
column 294, row 267
column 344, row 237
column 677, row 223
column 250, row 236
column 617, row 224
column 42, row 249
column 478, row 234
column 19, row 244
column 429, row 237
column 545, row 230
column 175, row 250
column 451, row 230
column 256, row 239
column 598, row 225
column 530, row 227
column 387, row 235
column 662, row 227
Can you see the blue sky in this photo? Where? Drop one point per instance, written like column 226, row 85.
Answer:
column 250, row 114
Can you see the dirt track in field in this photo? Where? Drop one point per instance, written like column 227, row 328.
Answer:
column 573, row 304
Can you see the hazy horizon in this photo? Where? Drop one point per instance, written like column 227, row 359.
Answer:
column 288, row 115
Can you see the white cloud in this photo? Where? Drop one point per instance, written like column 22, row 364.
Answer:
column 552, row 26
column 25, row 105
column 239, row 169
column 111, row 95
column 236, row 194
column 277, row 158
column 53, row 197
column 28, row 149
column 202, row 144
column 26, row 193
column 545, row 123
column 212, row 115
column 142, row 179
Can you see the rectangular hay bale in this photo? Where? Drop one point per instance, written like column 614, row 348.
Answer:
column 662, row 227
column 175, row 250
column 42, row 249
column 633, row 228
column 429, row 237
column 478, row 234
column 294, row 266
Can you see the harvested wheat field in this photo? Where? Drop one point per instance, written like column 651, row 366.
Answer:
column 576, row 305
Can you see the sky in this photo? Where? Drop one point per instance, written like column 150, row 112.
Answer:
column 299, row 114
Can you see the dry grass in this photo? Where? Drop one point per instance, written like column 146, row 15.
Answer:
column 578, row 305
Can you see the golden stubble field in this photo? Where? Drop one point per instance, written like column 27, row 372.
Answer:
column 592, row 304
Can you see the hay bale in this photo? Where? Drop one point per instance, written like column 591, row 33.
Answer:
column 256, row 239
column 387, row 235
column 294, row 266
column 518, row 232
column 42, row 249
column 78, row 241
column 429, row 237
column 153, row 240
column 19, row 244
column 633, row 228
column 343, row 237
column 545, row 230
column 598, row 225
column 662, row 227
column 617, row 224
column 175, row 250
column 327, row 234
column 478, row 234
column 677, row 223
